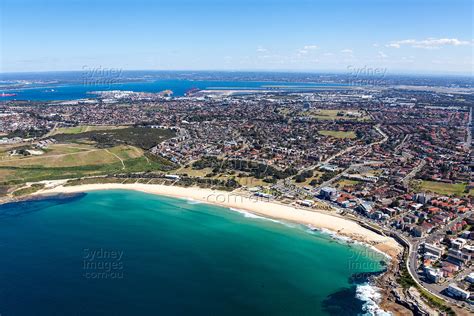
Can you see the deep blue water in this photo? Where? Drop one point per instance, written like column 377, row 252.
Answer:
column 179, row 87
column 130, row 253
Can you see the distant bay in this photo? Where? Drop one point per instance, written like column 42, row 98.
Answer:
column 131, row 253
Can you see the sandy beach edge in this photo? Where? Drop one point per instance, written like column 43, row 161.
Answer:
column 252, row 204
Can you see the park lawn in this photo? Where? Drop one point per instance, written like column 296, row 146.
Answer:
column 442, row 188
column 325, row 114
column 471, row 192
column 373, row 172
column 83, row 129
column 51, row 150
column 194, row 172
column 6, row 173
column 346, row 182
column 338, row 134
column 127, row 152
column 251, row 182
column 56, row 149
column 316, row 175
column 35, row 173
column 57, row 158
column 247, row 181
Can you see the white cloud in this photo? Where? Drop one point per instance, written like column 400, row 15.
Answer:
column 261, row 49
column 347, row 51
column 393, row 45
column 382, row 55
column 430, row 43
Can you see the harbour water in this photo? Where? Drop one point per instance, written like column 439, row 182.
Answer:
column 73, row 91
column 130, row 253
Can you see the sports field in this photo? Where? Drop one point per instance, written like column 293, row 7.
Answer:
column 456, row 189
column 338, row 134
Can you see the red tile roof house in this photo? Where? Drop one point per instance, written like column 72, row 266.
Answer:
column 434, row 210
column 463, row 209
column 428, row 227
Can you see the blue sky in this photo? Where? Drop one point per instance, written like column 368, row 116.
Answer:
column 399, row 35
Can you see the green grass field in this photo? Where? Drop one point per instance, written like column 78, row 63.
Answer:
column 85, row 151
column 456, row 189
column 83, row 129
column 346, row 182
column 338, row 134
column 244, row 181
column 194, row 172
column 316, row 175
column 70, row 156
column 73, row 161
column 346, row 115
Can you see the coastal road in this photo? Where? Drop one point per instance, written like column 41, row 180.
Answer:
column 412, row 262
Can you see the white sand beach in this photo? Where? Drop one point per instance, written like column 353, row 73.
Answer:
column 252, row 204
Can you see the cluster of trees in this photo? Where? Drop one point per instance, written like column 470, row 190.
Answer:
column 28, row 133
column 142, row 137
column 255, row 169
column 303, row 176
column 229, row 184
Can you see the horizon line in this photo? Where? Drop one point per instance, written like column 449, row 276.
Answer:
column 335, row 72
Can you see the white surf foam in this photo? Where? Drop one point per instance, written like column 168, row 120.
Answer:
column 347, row 240
column 370, row 295
column 332, row 234
column 251, row 215
column 192, row 201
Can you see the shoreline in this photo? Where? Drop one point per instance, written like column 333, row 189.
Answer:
column 252, row 204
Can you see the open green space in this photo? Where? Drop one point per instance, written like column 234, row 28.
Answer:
column 84, row 128
column 336, row 114
column 338, row 134
column 64, row 156
column 62, row 161
column 442, row 188
column 346, row 183
column 142, row 137
column 22, row 174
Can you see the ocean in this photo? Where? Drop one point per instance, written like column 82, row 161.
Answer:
column 130, row 253
column 73, row 91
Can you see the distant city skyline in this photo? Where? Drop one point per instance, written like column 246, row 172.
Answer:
column 401, row 36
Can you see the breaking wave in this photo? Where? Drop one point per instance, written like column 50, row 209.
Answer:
column 192, row 201
column 251, row 215
column 370, row 297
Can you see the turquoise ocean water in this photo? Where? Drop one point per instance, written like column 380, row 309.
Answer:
column 130, row 253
